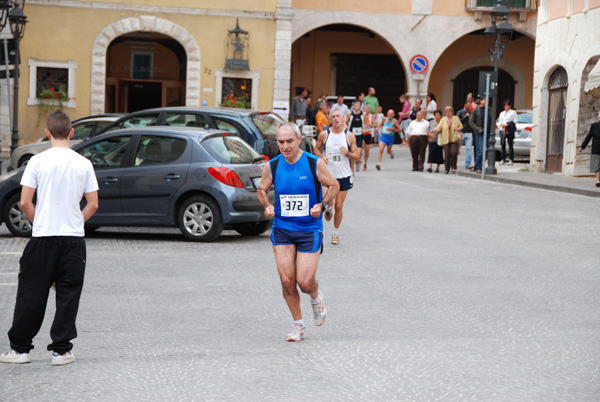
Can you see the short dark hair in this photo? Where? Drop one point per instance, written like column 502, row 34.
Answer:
column 507, row 102
column 59, row 125
column 438, row 111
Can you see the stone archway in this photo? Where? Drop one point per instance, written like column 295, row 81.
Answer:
column 143, row 23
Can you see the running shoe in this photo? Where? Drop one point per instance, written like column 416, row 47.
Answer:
column 365, row 166
column 297, row 333
column 15, row 357
column 378, row 166
column 319, row 311
column 59, row 360
column 335, row 239
column 328, row 214
column 510, row 163
column 391, row 155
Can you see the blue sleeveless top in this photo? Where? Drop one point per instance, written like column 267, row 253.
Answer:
column 297, row 190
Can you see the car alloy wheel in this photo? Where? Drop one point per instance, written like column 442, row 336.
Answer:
column 200, row 219
column 15, row 219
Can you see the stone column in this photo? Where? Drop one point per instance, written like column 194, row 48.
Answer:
column 283, row 53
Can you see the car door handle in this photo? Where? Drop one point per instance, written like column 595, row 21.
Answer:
column 109, row 180
column 171, row 176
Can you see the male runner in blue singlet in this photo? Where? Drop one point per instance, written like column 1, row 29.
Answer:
column 297, row 233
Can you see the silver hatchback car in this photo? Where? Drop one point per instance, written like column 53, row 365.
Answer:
column 83, row 128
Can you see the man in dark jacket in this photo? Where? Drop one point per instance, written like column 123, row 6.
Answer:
column 476, row 122
column 595, row 157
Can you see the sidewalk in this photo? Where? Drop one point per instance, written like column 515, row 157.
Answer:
column 518, row 175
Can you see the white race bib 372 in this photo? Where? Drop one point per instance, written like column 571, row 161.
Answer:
column 294, row 204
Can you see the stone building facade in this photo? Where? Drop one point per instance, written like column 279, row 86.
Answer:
column 568, row 43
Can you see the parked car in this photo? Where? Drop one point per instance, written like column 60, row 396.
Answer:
column 83, row 128
column 522, row 142
column 196, row 179
column 259, row 129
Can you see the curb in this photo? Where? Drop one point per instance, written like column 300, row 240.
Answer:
column 552, row 187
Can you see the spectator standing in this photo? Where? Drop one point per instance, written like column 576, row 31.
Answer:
column 464, row 114
column 450, row 128
column 417, row 136
column 431, row 106
column 417, row 107
column 322, row 99
column 371, row 100
column 594, row 135
column 310, row 114
column 321, row 118
column 298, row 108
column 476, row 121
column 507, row 132
column 56, row 252
column 404, row 118
column 436, row 153
column 341, row 106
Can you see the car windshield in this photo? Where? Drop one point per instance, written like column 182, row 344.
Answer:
column 229, row 149
column 525, row 118
column 267, row 124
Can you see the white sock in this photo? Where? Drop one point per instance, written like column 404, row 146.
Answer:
column 299, row 322
column 336, row 231
column 316, row 301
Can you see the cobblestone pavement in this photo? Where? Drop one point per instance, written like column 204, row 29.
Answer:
column 443, row 289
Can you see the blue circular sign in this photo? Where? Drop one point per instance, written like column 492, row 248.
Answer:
column 419, row 64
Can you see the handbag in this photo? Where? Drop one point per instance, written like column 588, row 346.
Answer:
column 439, row 140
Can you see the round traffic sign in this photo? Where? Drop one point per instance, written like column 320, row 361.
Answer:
column 419, row 64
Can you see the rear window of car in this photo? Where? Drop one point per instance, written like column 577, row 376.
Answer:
column 525, row 118
column 267, row 124
column 230, row 150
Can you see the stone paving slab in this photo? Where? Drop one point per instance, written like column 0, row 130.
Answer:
column 444, row 289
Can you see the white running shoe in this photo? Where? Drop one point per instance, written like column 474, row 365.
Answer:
column 59, row 360
column 335, row 239
column 319, row 311
column 15, row 357
column 297, row 333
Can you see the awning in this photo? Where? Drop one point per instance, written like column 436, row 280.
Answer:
column 592, row 85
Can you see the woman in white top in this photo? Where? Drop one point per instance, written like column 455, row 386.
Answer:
column 417, row 137
column 507, row 132
column 431, row 106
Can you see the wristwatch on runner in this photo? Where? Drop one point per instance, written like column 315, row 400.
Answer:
column 324, row 205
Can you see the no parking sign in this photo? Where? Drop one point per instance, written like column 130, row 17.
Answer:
column 419, row 64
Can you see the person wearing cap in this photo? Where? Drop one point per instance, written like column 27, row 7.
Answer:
column 594, row 136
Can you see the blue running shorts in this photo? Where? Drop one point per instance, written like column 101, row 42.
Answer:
column 305, row 242
column 346, row 183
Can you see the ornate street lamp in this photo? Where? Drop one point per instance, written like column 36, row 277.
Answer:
column 17, row 21
column 497, row 38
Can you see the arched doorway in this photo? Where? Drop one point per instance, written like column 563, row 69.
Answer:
column 557, row 112
column 144, row 70
column 345, row 59
column 468, row 82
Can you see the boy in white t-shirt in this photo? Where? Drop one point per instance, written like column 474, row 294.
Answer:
column 56, row 252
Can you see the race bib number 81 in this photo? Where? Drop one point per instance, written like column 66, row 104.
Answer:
column 294, row 204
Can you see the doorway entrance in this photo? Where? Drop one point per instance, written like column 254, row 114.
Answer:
column 468, row 82
column 557, row 113
column 144, row 70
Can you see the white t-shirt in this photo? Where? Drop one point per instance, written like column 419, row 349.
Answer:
column 418, row 127
column 338, row 163
column 431, row 108
column 345, row 110
column 505, row 117
column 60, row 176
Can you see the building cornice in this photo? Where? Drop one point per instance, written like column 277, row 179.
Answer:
column 91, row 5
